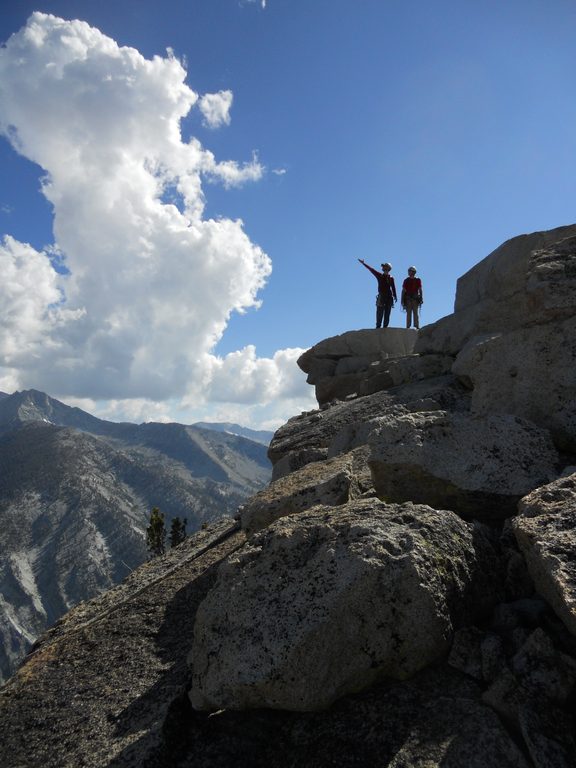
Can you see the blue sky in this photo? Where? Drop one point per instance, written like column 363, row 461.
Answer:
column 416, row 132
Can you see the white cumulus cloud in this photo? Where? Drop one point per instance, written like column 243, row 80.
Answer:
column 29, row 298
column 216, row 108
column 151, row 283
column 254, row 378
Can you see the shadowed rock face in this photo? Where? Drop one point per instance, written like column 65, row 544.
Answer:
column 342, row 365
column 546, row 531
column 99, row 684
column 435, row 719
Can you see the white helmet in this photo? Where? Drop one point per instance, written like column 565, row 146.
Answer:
column 412, row 269
column 387, row 266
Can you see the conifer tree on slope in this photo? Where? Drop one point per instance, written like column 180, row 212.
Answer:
column 177, row 531
column 156, row 533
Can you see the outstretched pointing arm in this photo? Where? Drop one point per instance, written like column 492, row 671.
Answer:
column 371, row 269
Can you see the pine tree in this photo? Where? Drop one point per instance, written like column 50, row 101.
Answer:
column 156, row 533
column 177, row 531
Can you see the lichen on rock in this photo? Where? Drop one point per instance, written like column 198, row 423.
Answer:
column 323, row 603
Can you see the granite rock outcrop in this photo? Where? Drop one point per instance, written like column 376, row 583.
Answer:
column 474, row 416
column 402, row 593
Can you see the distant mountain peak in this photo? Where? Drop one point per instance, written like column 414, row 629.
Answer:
column 31, row 405
column 258, row 435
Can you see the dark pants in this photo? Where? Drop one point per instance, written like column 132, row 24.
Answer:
column 383, row 309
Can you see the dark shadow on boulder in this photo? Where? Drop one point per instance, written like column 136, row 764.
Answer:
column 437, row 716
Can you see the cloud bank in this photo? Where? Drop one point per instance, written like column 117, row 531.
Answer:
column 150, row 283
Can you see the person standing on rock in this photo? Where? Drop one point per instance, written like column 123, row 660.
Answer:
column 412, row 297
column 386, row 292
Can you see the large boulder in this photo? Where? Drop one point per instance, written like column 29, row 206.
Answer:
column 529, row 372
column 546, row 532
column 324, row 603
column 527, row 280
column 477, row 466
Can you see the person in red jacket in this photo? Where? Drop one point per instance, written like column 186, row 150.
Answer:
column 412, row 297
column 386, row 292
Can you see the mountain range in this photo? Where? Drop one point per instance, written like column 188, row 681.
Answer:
column 75, row 498
column 263, row 436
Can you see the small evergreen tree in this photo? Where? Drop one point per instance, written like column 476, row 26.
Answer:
column 156, row 533
column 177, row 531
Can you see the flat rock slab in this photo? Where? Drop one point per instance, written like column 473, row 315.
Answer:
column 380, row 342
column 324, row 603
column 322, row 482
column 545, row 529
column 477, row 466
